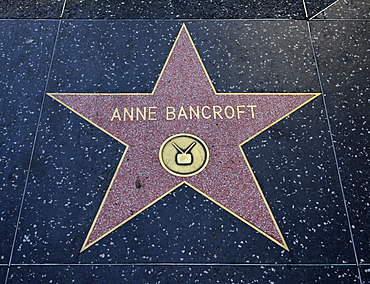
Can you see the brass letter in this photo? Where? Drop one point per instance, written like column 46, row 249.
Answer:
column 217, row 111
column 252, row 109
column 239, row 111
column 116, row 115
column 204, row 116
column 143, row 115
column 170, row 112
column 232, row 112
column 150, row 113
column 192, row 111
column 182, row 113
column 130, row 115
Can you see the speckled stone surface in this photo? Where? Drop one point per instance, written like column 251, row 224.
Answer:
column 3, row 271
column 182, row 227
column 130, row 55
column 70, row 190
column 25, row 54
column 183, row 9
column 184, row 274
column 241, row 48
column 316, row 217
column 260, row 56
column 365, row 271
column 185, row 238
column 30, row 9
column 179, row 9
column 344, row 9
column 344, row 66
column 50, row 189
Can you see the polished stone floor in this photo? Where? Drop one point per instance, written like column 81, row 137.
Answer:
column 312, row 166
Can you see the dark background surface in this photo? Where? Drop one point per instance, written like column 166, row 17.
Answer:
column 312, row 167
column 161, row 9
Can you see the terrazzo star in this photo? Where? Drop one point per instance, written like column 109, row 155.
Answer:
column 166, row 153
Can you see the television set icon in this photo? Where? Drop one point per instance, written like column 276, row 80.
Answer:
column 184, row 157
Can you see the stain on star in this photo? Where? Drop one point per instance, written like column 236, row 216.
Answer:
column 183, row 101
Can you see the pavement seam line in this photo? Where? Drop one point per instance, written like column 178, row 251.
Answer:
column 188, row 264
column 63, row 8
column 305, row 8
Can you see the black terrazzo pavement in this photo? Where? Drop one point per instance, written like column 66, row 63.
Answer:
column 348, row 10
column 319, row 197
column 346, row 91
column 3, row 271
column 183, row 9
column 161, row 9
column 25, row 55
column 365, row 272
column 30, row 9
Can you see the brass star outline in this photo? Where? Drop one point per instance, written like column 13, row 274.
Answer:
column 87, row 244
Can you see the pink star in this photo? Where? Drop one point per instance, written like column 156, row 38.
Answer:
column 224, row 121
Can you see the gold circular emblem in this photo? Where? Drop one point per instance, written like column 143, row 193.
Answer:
column 184, row 155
